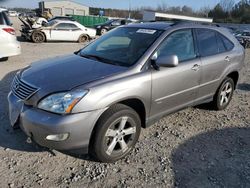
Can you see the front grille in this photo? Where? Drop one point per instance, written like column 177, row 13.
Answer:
column 22, row 89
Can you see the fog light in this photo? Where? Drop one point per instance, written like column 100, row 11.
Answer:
column 58, row 137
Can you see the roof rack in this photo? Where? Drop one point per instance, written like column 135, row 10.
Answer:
column 178, row 22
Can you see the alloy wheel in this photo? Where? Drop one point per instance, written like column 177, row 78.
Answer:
column 226, row 93
column 119, row 136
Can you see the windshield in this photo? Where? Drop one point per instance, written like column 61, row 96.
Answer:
column 109, row 22
column 122, row 46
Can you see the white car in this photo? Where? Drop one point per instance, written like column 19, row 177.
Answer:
column 61, row 30
column 12, row 13
column 9, row 46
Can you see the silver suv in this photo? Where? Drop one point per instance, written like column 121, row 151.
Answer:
column 98, row 99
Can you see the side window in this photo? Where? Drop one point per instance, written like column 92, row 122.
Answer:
column 221, row 45
column 72, row 26
column 180, row 43
column 61, row 26
column 227, row 43
column 207, row 42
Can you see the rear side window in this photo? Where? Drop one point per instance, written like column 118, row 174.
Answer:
column 227, row 43
column 180, row 43
column 207, row 42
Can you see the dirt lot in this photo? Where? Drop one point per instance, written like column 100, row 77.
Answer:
column 192, row 148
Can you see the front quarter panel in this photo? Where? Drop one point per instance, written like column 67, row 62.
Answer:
column 137, row 86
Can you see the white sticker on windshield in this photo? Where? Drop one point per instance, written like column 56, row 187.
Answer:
column 146, row 31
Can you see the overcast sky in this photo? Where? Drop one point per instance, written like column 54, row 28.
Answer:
column 122, row 4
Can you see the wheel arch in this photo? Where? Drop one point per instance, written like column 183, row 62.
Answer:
column 235, row 76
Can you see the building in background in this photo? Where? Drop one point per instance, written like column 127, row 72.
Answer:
column 64, row 7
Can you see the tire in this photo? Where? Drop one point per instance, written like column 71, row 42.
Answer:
column 115, row 134
column 38, row 37
column 103, row 31
column 83, row 38
column 4, row 59
column 224, row 94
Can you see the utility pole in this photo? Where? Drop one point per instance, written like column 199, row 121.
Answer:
column 129, row 11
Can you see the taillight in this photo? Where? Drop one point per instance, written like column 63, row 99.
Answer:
column 10, row 31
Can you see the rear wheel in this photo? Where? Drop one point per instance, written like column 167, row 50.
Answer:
column 224, row 94
column 116, row 133
column 38, row 37
column 83, row 38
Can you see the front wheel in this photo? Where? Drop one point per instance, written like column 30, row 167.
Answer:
column 115, row 134
column 224, row 94
column 38, row 37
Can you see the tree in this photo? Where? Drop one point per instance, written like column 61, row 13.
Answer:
column 227, row 5
column 187, row 10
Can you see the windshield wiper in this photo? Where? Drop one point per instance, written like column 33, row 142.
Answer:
column 89, row 56
column 101, row 59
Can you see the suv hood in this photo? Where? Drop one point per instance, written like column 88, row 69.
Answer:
column 67, row 72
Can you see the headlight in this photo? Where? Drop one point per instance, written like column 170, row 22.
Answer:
column 62, row 103
column 98, row 27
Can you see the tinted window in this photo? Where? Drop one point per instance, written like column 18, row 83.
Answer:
column 116, row 23
column 179, row 43
column 227, row 43
column 207, row 42
column 221, row 44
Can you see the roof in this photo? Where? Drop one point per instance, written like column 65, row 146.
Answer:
column 152, row 25
column 65, row 21
column 167, row 25
column 64, row 1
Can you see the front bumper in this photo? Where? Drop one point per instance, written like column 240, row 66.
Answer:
column 38, row 124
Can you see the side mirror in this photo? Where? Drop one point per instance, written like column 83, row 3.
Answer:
column 166, row 61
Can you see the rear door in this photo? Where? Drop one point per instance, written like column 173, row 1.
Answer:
column 177, row 87
column 215, row 53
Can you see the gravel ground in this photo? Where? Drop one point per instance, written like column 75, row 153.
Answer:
column 195, row 147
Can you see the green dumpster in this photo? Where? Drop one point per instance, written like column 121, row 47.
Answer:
column 89, row 21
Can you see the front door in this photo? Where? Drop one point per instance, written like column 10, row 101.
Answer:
column 176, row 87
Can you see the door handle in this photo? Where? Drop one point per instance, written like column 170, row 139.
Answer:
column 196, row 67
column 227, row 59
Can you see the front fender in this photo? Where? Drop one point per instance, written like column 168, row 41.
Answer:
column 131, row 87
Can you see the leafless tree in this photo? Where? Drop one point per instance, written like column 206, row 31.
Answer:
column 227, row 5
column 204, row 11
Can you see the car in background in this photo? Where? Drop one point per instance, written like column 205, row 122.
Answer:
column 60, row 30
column 9, row 46
column 111, row 24
column 69, row 18
column 243, row 37
column 12, row 13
